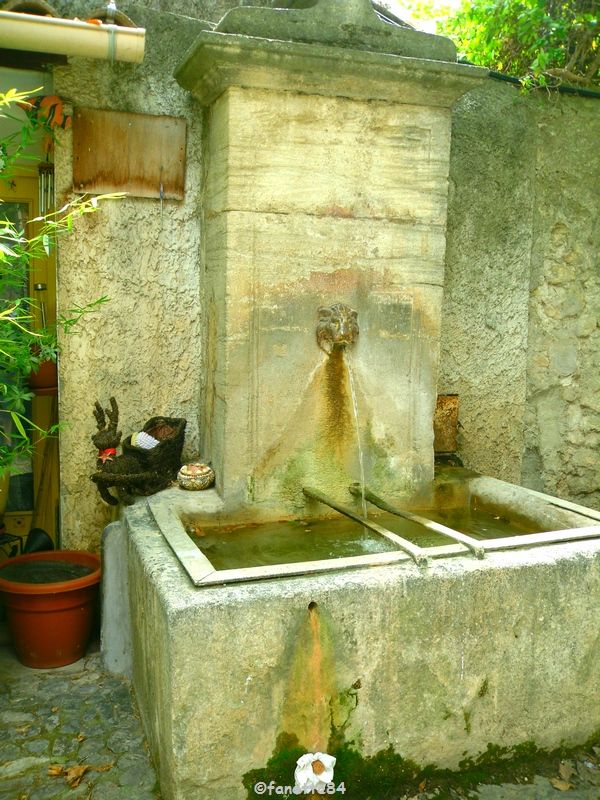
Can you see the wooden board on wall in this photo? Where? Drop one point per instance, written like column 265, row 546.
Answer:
column 115, row 151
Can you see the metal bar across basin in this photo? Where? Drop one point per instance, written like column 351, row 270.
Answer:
column 473, row 544
column 416, row 553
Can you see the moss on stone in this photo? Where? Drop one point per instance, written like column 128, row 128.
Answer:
column 385, row 775
column 467, row 718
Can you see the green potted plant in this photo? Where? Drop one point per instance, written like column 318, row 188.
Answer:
column 23, row 348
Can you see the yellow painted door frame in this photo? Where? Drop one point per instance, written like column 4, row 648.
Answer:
column 24, row 189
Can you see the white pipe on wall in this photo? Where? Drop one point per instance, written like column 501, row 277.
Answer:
column 70, row 37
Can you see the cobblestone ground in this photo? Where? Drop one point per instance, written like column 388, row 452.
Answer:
column 539, row 789
column 52, row 721
column 573, row 778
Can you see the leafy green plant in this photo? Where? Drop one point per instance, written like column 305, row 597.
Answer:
column 23, row 347
column 543, row 42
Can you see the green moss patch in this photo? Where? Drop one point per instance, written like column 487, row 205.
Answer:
column 386, row 775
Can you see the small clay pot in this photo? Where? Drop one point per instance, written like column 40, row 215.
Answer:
column 45, row 379
column 195, row 476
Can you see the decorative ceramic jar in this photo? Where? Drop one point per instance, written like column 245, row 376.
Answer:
column 196, row 476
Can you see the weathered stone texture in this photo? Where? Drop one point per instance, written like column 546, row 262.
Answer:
column 430, row 650
column 563, row 376
column 329, row 157
column 346, row 203
column 142, row 346
column 522, row 291
column 484, row 320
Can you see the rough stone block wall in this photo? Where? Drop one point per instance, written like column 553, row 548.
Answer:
column 520, row 337
column 563, row 366
column 484, row 318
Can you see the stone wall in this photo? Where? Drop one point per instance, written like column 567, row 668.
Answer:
column 142, row 346
column 522, row 297
column 484, row 318
column 563, row 369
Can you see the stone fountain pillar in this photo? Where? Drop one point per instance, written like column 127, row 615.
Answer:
column 327, row 143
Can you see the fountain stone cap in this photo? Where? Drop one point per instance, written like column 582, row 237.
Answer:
column 342, row 23
column 334, row 48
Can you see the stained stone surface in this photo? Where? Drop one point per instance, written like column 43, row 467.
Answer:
column 282, row 414
column 347, row 203
column 450, row 659
column 27, row 744
column 346, row 23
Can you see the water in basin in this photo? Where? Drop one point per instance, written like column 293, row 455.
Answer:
column 480, row 523
column 285, row 542
column 293, row 541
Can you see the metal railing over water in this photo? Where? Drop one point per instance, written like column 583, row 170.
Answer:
column 203, row 573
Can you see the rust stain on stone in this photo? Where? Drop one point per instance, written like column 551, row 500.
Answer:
column 337, row 211
column 445, row 424
column 337, row 403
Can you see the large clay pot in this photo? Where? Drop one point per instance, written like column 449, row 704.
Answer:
column 50, row 622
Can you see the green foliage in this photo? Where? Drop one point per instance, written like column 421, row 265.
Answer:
column 543, row 42
column 14, row 146
column 22, row 347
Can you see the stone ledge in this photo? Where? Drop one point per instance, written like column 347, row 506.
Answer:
column 219, row 60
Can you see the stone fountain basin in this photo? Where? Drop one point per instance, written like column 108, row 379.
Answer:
column 549, row 520
column 450, row 658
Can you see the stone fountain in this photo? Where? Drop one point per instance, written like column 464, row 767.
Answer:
column 326, row 155
column 327, row 150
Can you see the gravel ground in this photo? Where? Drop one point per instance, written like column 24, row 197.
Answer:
column 56, row 723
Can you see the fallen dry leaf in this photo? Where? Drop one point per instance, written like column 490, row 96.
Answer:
column 81, row 737
column 74, row 775
column 54, row 709
column 422, row 786
column 562, row 786
column 566, row 770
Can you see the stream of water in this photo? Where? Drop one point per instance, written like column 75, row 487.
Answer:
column 361, row 461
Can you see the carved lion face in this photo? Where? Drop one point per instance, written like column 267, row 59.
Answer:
column 337, row 326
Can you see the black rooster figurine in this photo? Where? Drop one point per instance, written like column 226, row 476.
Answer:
column 137, row 471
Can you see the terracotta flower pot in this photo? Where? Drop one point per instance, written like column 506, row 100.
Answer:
column 45, row 379
column 50, row 622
